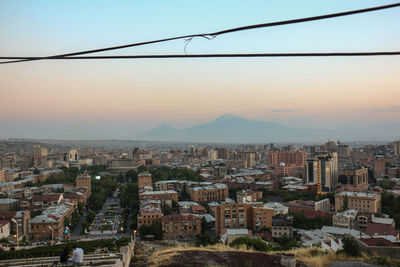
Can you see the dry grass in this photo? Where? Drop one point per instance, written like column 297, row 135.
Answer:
column 317, row 257
column 164, row 256
column 314, row 257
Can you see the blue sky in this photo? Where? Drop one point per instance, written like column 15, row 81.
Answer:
column 328, row 92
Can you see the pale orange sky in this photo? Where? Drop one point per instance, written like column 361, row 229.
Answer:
column 182, row 91
column 320, row 92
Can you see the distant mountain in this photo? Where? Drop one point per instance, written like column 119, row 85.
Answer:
column 229, row 129
column 233, row 129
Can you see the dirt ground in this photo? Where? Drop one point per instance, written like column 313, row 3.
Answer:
column 196, row 258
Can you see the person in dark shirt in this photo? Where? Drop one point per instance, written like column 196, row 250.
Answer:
column 64, row 255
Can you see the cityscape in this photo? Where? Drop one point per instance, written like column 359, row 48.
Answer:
column 209, row 133
column 159, row 194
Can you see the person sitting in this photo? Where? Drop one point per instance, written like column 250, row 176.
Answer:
column 77, row 255
column 64, row 255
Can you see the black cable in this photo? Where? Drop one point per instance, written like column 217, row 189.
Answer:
column 213, row 35
column 328, row 54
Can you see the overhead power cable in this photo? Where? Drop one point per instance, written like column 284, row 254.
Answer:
column 327, row 54
column 215, row 34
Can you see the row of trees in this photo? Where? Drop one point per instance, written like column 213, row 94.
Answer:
column 165, row 173
column 101, row 189
column 69, row 174
column 301, row 222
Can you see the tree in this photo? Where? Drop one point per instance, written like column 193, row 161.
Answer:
column 285, row 242
column 251, row 243
column 66, row 222
column 204, row 225
column 205, row 240
column 153, row 229
column 90, row 217
column 350, row 246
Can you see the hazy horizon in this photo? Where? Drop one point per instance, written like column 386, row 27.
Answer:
column 120, row 99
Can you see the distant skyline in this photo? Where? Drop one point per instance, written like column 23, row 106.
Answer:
column 123, row 98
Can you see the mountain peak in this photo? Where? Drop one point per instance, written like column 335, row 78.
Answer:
column 229, row 116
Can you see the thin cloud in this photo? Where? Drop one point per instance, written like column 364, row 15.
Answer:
column 284, row 110
column 388, row 109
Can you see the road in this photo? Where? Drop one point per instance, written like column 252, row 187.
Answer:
column 78, row 228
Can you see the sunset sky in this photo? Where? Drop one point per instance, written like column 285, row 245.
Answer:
column 122, row 98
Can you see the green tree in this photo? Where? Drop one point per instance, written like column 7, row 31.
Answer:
column 285, row 242
column 205, row 240
column 251, row 243
column 153, row 229
column 350, row 246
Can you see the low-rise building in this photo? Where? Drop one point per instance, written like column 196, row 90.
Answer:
column 302, row 205
column 9, row 204
column 166, row 197
column 243, row 196
column 279, row 209
column 282, row 226
column 44, row 201
column 22, row 218
column 228, row 235
column 4, row 229
column 47, row 227
column 345, row 219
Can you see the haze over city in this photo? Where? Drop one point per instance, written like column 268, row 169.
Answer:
column 126, row 98
column 199, row 133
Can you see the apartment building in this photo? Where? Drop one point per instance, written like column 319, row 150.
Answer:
column 367, row 202
column 84, row 180
column 148, row 215
column 356, row 176
column 243, row 196
column 295, row 159
column 166, row 197
column 253, row 216
column 144, row 179
column 180, row 226
column 346, row 219
column 282, row 226
column 209, row 193
column 309, row 205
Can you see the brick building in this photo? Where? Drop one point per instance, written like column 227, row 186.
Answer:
column 180, row 226
column 84, row 180
column 144, row 179
column 242, row 216
column 295, row 159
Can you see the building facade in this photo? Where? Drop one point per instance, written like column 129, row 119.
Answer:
column 180, row 226
column 366, row 202
column 144, row 179
column 355, row 176
column 209, row 193
column 322, row 169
